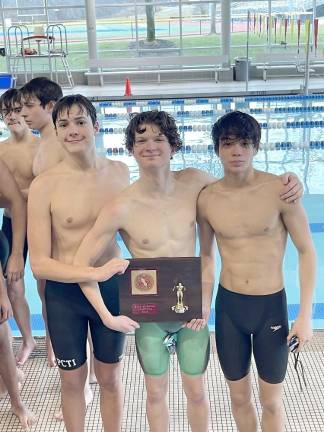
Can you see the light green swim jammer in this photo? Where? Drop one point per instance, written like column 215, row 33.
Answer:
column 192, row 348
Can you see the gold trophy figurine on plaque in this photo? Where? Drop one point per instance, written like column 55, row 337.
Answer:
column 179, row 307
column 164, row 289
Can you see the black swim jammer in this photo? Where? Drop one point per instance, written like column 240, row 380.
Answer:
column 4, row 250
column 69, row 313
column 7, row 230
column 252, row 322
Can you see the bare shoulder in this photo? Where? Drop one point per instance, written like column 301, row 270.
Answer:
column 117, row 165
column 120, row 168
column 48, row 179
column 208, row 195
column 211, row 188
column 4, row 145
column 268, row 180
column 39, row 188
column 195, row 176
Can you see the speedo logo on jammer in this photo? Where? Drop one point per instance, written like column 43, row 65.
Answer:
column 275, row 328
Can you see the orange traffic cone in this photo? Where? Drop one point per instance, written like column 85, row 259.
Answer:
column 128, row 90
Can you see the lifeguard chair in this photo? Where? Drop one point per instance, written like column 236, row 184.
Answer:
column 42, row 52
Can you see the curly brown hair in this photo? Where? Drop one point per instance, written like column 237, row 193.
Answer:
column 162, row 119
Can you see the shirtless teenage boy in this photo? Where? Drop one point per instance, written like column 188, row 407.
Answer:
column 38, row 98
column 250, row 223
column 156, row 217
column 18, row 152
column 63, row 205
column 9, row 375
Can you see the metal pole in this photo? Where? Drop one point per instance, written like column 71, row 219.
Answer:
column 136, row 30
column 90, row 10
column 270, row 25
column 6, row 45
column 226, row 30
column 307, row 59
column 180, row 28
column 314, row 16
column 247, row 52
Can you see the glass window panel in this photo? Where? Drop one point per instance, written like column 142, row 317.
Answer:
column 116, row 30
column 158, row 29
column 201, row 27
column 277, row 34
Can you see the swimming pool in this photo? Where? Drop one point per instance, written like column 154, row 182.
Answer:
column 291, row 141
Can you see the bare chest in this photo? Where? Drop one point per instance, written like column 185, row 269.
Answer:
column 76, row 203
column 249, row 215
column 161, row 228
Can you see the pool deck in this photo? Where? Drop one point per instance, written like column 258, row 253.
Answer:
column 198, row 88
column 41, row 392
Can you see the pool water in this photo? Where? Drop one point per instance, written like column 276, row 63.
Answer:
column 292, row 140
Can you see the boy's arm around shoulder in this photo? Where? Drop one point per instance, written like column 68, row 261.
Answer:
column 120, row 171
column 202, row 178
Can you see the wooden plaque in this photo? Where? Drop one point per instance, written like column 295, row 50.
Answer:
column 161, row 289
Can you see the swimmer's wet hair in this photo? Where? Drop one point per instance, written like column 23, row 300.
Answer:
column 44, row 89
column 8, row 100
column 237, row 124
column 66, row 103
column 162, row 119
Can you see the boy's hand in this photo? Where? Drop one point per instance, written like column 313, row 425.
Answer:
column 293, row 189
column 196, row 324
column 302, row 328
column 15, row 268
column 5, row 308
column 112, row 267
column 199, row 323
column 121, row 323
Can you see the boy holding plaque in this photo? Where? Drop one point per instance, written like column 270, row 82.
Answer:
column 165, row 199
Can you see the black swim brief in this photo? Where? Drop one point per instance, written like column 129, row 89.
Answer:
column 69, row 314
column 7, row 230
column 252, row 322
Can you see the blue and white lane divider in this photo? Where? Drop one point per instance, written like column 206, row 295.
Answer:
column 200, row 148
column 201, row 101
column 221, row 111
column 304, row 124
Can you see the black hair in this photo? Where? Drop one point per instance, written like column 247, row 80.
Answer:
column 44, row 89
column 238, row 124
column 66, row 103
column 8, row 100
column 162, row 119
